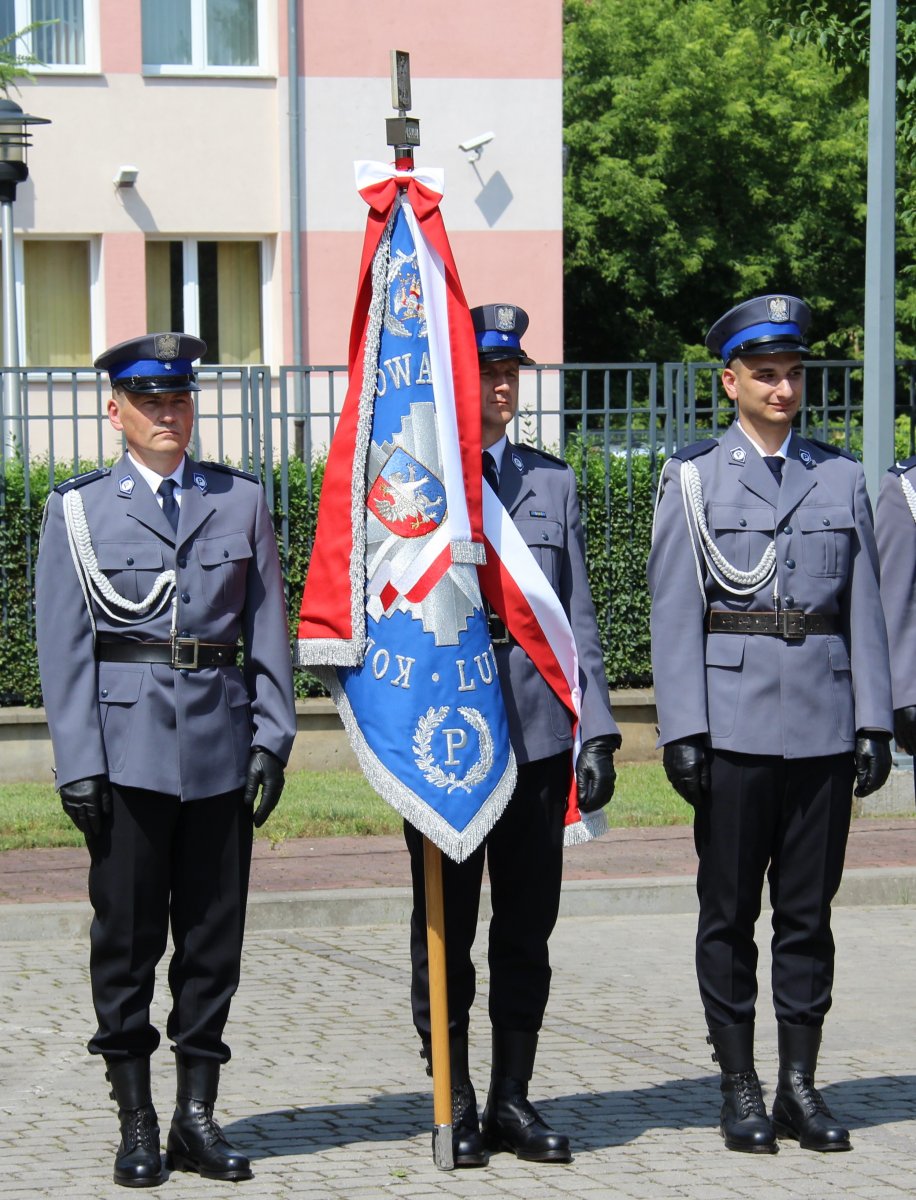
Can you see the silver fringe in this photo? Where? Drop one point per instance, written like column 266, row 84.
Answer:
column 458, row 846
column 591, row 826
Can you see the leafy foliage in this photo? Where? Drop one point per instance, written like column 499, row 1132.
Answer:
column 707, row 161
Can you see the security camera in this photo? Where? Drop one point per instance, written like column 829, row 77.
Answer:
column 473, row 147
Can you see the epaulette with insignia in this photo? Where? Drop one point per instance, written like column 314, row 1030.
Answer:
column 903, row 466
column 831, row 449
column 219, row 466
column 686, row 453
column 78, row 481
column 543, row 453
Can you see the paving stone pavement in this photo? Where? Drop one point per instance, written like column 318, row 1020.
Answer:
column 326, row 1092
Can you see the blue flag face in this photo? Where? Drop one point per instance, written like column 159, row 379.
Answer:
column 425, row 708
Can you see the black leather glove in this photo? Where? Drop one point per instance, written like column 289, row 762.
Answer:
column 86, row 802
column 687, row 766
column 265, row 771
column 905, row 728
column 873, row 761
column 595, row 774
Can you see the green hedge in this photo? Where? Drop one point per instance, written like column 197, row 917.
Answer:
column 617, row 533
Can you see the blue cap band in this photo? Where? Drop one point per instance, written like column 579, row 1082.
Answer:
column 152, row 366
column 764, row 329
column 491, row 340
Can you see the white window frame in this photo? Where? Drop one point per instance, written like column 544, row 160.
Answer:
column 198, row 64
column 92, row 65
column 96, row 303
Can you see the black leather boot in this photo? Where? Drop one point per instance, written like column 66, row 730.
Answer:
column 743, row 1120
column 510, row 1122
column 468, row 1149
column 196, row 1142
column 137, row 1162
column 799, row 1110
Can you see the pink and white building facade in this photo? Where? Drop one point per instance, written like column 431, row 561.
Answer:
column 235, row 206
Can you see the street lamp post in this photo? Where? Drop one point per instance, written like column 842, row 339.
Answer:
column 14, row 144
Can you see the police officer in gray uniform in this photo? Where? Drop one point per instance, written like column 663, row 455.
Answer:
column 770, row 662
column 524, row 851
column 895, row 529
column 167, row 679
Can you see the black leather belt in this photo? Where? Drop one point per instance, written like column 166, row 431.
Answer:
column 788, row 623
column 182, row 653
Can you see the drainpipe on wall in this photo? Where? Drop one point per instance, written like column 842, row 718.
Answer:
column 295, row 210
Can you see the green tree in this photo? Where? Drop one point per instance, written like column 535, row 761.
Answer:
column 841, row 30
column 707, row 161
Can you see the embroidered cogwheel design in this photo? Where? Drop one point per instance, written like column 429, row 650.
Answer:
column 422, row 749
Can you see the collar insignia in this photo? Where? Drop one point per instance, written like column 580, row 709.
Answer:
column 739, row 454
column 200, row 482
column 126, row 485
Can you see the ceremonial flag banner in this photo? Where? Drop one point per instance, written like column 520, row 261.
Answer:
column 392, row 617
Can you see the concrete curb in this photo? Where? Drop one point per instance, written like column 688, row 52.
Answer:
column 343, row 907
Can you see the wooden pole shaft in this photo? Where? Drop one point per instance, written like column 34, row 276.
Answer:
column 438, row 1003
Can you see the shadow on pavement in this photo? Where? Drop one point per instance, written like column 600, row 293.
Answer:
column 594, row 1120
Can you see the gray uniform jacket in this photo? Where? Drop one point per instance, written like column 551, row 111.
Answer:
column 757, row 694
column 539, row 492
column 184, row 733
column 895, row 529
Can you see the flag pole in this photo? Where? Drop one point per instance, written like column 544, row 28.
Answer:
column 403, row 133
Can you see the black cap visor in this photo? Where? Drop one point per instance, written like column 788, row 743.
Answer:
column 158, row 384
column 769, row 345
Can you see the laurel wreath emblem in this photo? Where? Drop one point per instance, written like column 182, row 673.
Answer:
column 425, row 759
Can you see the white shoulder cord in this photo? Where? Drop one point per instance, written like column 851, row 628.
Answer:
column 728, row 577
column 909, row 495
column 96, row 586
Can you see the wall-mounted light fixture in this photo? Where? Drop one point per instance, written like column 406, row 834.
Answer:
column 126, row 177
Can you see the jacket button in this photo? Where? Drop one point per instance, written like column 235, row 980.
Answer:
column 826, row 521
column 225, row 554
column 182, row 562
column 104, row 692
column 186, row 597
column 787, row 529
column 545, row 537
column 742, row 523
column 790, row 601
column 130, row 561
column 790, row 563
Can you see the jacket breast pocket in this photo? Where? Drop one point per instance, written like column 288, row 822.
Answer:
column 224, row 567
column 544, row 538
column 827, row 531
column 131, row 567
column 724, row 663
column 119, row 691
column 742, row 533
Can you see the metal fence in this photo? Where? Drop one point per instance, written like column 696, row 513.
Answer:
column 253, row 417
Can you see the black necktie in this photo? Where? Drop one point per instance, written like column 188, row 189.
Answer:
column 169, row 503
column 774, row 462
column 490, row 473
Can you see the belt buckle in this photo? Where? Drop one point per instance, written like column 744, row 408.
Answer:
column 791, row 624
column 179, row 660
column 499, row 635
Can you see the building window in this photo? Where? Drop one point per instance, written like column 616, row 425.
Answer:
column 56, row 278
column 66, row 38
column 201, row 36
column 212, row 289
